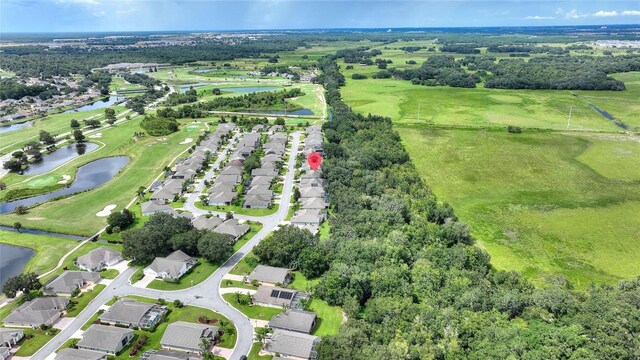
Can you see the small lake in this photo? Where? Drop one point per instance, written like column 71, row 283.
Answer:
column 280, row 112
column 97, row 104
column 89, row 176
column 12, row 260
column 185, row 87
column 202, row 71
column 14, row 127
column 58, row 157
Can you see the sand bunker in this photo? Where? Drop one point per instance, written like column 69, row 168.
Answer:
column 106, row 211
column 186, row 141
column 65, row 179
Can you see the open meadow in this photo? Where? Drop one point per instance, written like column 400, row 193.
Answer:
column 540, row 203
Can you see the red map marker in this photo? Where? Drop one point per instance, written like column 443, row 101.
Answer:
column 314, row 159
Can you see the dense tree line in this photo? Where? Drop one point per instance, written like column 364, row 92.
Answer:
column 163, row 234
column 47, row 62
column 438, row 70
column 141, row 79
column 138, row 103
column 406, row 272
column 159, row 126
column 11, row 89
column 186, row 111
column 178, row 98
column 460, row 49
column 254, row 101
column 574, row 73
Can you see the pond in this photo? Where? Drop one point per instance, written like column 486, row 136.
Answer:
column 13, row 260
column 89, row 176
column 58, row 157
column 186, row 87
column 202, row 71
column 281, row 112
column 14, row 127
column 97, row 104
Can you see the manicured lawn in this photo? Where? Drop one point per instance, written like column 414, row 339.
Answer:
column 246, row 265
column 252, row 312
column 137, row 276
column 540, row 203
column 77, row 214
column 236, row 284
column 49, row 249
column 300, row 282
column 329, row 317
column 84, row 299
column 255, row 351
column 324, row 231
column 197, row 275
column 40, row 337
column 109, row 274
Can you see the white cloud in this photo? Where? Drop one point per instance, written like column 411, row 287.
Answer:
column 602, row 13
column 631, row 13
column 574, row 14
column 100, row 13
column 536, row 17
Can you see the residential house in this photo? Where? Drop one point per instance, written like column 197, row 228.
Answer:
column 231, row 170
column 222, row 198
column 107, row 339
column 206, row 223
column 98, row 259
column 309, row 219
column 314, row 203
column 273, row 296
column 292, row 345
column 173, row 266
column 232, row 228
column 39, row 311
column 186, row 336
column 270, row 275
column 294, row 320
column 154, row 207
column 69, row 281
column 276, row 128
column 259, row 128
column 264, row 172
column 228, row 179
column 79, row 354
column 9, row 338
column 260, row 190
column 131, row 313
column 312, row 192
column 256, row 201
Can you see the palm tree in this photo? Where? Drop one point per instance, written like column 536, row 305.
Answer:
column 141, row 191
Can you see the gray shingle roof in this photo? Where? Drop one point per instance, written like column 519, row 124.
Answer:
column 172, row 264
column 69, row 281
column 98, row 257
column 79, row 354
column 233, row 228
column 274, row 296
column 294, row 320
column 37, row 311
column 186, row 335
column 257, row 201
column 205, row 223
column 291, row 343
column 270, row 274
column 102, row 337
column 168, row 355
column 127, row 311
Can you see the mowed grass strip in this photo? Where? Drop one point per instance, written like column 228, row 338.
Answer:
column 540, row 203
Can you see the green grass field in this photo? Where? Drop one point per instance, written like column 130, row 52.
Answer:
column 148, row 156
column 253, row 312
column 197, row 275
column 84, row 299
column 48, row 249
column 540, row 203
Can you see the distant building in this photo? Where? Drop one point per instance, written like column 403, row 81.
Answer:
column 154, row 207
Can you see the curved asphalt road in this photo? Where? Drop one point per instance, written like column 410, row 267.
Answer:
column 205, row 294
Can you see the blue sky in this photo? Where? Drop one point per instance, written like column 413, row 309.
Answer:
column 155, row 15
